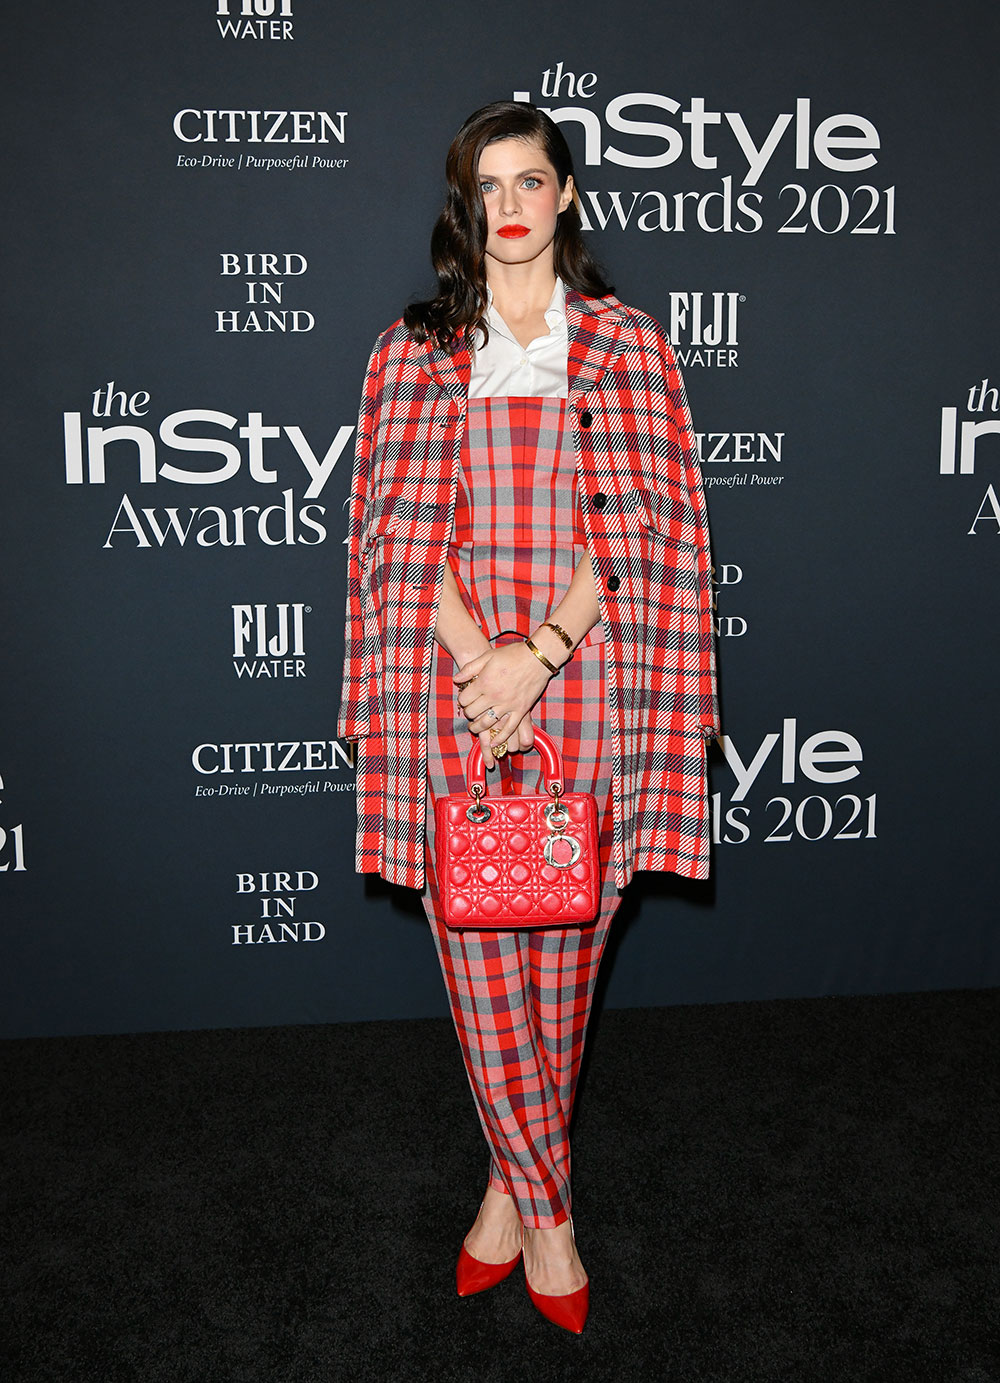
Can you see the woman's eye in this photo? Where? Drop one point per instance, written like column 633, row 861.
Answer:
column 485, row 187
column 532, row 183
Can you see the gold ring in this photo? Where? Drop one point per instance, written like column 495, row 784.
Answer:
column 499, row 750
column 462, row 685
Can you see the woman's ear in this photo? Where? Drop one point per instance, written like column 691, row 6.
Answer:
column 566, row 195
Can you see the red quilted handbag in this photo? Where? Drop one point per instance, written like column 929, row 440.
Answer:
column 511, row 862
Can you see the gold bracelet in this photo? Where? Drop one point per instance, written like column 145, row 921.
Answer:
column 560, row 633
column 541, row 657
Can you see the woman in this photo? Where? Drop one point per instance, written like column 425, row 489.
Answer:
column 527, row 546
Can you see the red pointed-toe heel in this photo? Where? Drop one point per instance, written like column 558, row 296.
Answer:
column 569, row 1311
column 473, row 1276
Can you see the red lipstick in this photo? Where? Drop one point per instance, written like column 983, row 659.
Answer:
column 513, row 232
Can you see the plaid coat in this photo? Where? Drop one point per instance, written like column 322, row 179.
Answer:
column 644, row 514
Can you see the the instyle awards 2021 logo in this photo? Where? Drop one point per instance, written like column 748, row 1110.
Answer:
column 11, row 844
column 642, row 131
column 129, row 447
column 802, row 777
column 959, row 449
column 277, row 894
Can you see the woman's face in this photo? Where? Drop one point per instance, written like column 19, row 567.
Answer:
column 523, row 199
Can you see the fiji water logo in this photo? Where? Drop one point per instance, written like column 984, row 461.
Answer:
column 704, row 328
column 269, row 640
column 260, row 19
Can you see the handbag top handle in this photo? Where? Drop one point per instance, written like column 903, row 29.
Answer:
column 475, row 770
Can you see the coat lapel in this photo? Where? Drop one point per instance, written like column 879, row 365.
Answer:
column 450, row 372
column 593, row 326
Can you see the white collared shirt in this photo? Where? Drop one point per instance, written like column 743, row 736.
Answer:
column 505, row 368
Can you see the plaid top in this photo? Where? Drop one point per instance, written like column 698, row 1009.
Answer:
column 519, row 534
column 644, row 515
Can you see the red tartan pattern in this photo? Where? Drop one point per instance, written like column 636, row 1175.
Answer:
column 515, row 454
column 521, row 1000
column 648, row 541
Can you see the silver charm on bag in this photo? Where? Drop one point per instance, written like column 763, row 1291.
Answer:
column 557, row 816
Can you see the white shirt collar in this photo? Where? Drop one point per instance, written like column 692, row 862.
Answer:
column 555, row 313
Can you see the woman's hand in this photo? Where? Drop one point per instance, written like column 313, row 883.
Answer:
column 521, row 737
column 501, row 686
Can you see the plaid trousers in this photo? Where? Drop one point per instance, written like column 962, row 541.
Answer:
column 521, row 1000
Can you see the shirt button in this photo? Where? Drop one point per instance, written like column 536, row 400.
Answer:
column 599, row 500
column 586, row 418
column 613, row 583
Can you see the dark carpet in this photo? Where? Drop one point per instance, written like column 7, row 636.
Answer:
column 799, row 1190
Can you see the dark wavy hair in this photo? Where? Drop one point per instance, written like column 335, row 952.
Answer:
column 458, row 241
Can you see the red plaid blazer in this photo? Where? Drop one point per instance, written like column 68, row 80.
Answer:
column 644, row 514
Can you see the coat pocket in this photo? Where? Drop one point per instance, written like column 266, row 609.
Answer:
column 380, row 519
column 402, row 541
column 409, row 521
column 669, row 516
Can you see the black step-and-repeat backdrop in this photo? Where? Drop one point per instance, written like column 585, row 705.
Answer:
column 214, row 207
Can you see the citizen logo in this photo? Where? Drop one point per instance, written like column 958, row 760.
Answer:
column 259, row 126
column 737, row 450
column 269, row 640
column 274, row 756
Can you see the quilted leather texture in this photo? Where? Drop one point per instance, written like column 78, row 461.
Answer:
column 493, row 874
